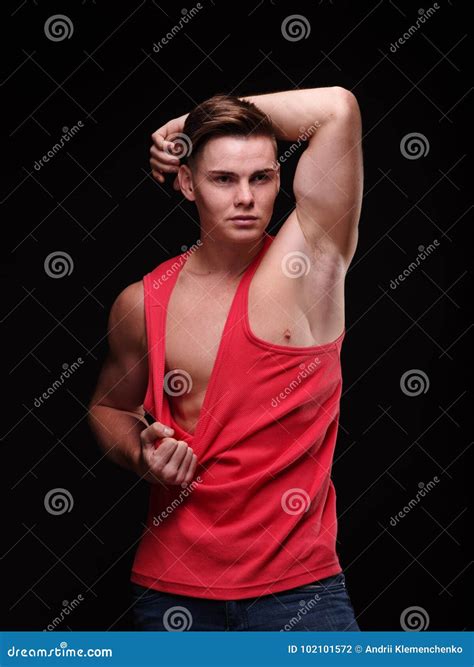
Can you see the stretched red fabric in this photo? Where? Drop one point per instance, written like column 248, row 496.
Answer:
column 262, row 518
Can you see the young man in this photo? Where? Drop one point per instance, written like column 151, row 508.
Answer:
column 235, row 346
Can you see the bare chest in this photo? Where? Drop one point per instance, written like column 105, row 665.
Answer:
column 196, row 317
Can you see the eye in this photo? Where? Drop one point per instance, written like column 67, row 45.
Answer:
column 264, row 177
column 221, row 177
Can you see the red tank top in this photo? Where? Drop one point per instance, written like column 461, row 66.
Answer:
column 260, row 514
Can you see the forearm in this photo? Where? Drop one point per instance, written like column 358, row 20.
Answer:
column 297, row 112
column 118, row 435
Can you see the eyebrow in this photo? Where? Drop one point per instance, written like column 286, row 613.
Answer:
column 222, row 172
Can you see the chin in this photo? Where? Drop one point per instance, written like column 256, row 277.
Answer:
column 245, row 234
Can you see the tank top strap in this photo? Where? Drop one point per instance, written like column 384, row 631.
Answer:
column 159, row 282
column 238, row 310
column 157, row 287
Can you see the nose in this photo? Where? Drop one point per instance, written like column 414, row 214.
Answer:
column 243, row 195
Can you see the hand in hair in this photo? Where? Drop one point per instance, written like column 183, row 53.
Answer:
column 167, row 148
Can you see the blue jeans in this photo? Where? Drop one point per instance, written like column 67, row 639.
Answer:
column 320, row 605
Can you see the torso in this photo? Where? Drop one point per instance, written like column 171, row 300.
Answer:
column 198, row 310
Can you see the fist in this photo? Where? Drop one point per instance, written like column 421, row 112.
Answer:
column 172, row 462
column 163, row 152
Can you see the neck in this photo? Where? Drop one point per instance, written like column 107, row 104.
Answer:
column 223, row 257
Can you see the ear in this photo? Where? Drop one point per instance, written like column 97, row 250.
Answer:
column 185, row 178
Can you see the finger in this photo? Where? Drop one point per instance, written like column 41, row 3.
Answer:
column 191, row 471
column 160, row 142
column 164, row 452
column 158, row 138
column 154, row 431
column 158, row 176
column 186, row 464
column 184, row 467
column 163, row 156
column 173, row 463
column 162, row 166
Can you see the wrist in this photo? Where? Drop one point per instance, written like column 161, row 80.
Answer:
column 138, row 464
column 182, row 119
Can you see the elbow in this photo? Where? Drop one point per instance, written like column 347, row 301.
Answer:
column 345, row 104
column 90, row 415
column 91, row 410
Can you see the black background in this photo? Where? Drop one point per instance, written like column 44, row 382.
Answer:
column 95, row 200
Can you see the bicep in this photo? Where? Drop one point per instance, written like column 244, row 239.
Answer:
column 123, row 378
column 122, row 383
column 328, row 182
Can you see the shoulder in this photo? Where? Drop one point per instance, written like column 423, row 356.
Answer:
column 127, row 315
column 129, row 302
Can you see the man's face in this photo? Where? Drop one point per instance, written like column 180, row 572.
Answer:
column 232, row 177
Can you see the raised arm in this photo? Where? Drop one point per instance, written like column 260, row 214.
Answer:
column 329, row 175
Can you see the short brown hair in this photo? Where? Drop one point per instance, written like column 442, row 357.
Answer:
column 225, row 115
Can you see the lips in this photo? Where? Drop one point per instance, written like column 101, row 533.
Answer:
column 244, row 217
column 244, row 222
